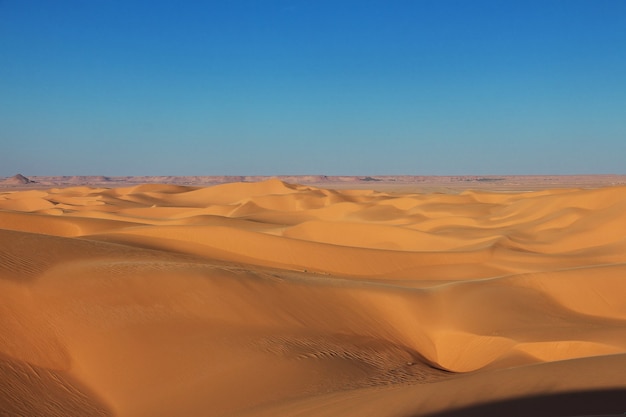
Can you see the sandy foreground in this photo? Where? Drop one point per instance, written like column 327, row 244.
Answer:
column 273, row 299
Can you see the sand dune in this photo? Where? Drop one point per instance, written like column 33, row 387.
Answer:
column 266, row 299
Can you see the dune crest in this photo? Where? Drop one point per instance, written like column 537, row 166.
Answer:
column 273, row 298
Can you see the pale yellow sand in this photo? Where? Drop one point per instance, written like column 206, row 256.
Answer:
column 272, row 299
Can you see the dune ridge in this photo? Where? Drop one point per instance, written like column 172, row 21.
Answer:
column 273, row 298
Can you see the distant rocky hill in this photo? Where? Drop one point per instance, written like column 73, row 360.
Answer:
column 17, row 179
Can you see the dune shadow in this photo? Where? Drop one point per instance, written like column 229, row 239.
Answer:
column 577, row 403
column 30, row 390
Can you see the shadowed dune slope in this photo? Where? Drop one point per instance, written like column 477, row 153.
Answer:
column 259, row 299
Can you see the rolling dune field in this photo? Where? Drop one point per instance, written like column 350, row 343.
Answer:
column 275, row 299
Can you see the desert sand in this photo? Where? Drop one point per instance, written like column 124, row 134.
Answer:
column 276, row 299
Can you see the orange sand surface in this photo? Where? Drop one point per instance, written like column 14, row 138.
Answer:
column 273, row 299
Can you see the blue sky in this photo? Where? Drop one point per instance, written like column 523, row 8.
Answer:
column 437, row 87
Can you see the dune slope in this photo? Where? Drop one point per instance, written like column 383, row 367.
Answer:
column 259, row 299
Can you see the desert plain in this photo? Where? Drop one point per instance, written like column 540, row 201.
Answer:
column 376, row 297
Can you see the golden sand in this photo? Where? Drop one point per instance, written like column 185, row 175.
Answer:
column 273, row 299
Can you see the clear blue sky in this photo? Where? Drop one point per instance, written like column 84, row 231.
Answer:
column 425, row 87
